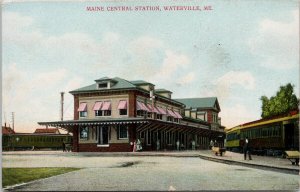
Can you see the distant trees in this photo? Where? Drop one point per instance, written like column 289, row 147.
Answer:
column 284, row 101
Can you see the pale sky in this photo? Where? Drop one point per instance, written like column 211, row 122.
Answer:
column 236, row 52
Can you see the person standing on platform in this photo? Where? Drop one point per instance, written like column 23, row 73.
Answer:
column 211, row 144
column 138, row 145
column 134, row 146
column 247, row 149
column 64, row 146
column 177, row 144
column 193, row 145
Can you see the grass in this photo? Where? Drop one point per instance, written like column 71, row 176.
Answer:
column 12, row 176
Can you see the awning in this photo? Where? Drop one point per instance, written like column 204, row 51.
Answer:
column 97, row 106
column 178, row 115
column 82, row 107
column 122, row 105
column 171, row 113
column 141, row 106
column 106, row 106
column 161, row 111
column 152, row 109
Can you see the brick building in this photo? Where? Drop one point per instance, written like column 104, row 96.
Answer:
column 112, row 113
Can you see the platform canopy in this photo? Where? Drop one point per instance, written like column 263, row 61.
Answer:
column 143, row 124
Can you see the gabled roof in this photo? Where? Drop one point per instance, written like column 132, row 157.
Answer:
column 47, row 130
column 206, row 102
column 7, row 130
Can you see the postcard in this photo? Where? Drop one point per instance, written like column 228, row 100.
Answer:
column 150, row 95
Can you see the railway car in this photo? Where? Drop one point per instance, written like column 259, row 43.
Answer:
column 268, row 136
column 25, row 141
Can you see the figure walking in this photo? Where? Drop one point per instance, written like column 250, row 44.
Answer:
column 247, row 149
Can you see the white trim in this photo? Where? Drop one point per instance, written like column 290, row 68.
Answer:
column 106, row 145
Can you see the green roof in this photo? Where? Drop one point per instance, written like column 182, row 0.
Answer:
column 118, row 84
column 140, row 82
column 206, row 102
column 162, row 91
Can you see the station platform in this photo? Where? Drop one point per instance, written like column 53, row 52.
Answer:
column 259, row 162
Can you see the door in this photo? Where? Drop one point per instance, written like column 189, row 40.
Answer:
column 102, row 135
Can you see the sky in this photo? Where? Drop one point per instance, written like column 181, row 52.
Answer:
column 237, row 51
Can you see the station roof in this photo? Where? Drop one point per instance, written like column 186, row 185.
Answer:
column 205, row 102
column 118, row 84
column 162, row 91
column 7, row 130
column 47, row 130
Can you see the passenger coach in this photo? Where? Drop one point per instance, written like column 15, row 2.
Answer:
column 268, row 136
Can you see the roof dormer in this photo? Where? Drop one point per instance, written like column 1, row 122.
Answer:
column 164, row 93
column 105, row 83
column 143, row 85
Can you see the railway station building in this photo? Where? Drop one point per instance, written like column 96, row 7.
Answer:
column 112, row 113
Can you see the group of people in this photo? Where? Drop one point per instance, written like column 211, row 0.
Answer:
column 137, row 145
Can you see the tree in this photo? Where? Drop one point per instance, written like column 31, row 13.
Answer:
column 284, row 101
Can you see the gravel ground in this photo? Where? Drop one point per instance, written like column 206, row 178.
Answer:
column 148, row 173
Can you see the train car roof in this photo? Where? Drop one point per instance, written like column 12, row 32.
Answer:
column 263, row 122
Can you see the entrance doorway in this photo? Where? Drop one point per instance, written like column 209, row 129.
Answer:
column 102, row 136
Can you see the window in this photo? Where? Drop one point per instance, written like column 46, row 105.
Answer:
column 82, row 110
column 123, row 132
column 83, row 113
column 107, row 113
column 106, row 108
column 176, row 120
column 159, row 116
column 140, row 113
column 102, row 85
column 98, row 113
column 169, row 118
column 123, row 111
column 122, row 107
column 84, row 132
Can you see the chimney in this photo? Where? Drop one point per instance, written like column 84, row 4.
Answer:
column 62, row 106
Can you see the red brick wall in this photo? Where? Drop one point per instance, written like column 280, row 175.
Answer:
column 76, row 105
column 114, row 147
column 75, row 139
column 132, row 104
column 209, row 116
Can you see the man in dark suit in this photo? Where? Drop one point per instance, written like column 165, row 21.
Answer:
column 247, row 149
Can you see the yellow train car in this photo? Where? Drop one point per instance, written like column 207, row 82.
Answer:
column 267, row 136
